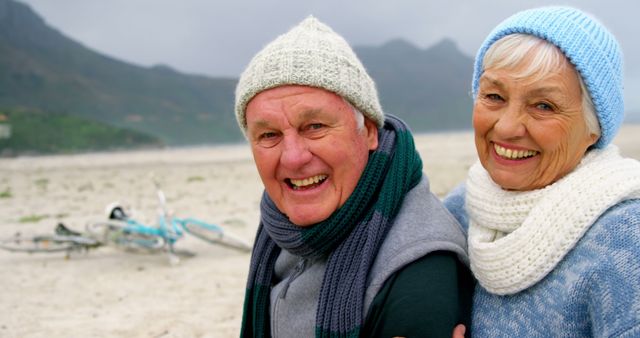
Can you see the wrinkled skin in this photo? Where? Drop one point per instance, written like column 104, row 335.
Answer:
column 540, row 121
column 308, row 149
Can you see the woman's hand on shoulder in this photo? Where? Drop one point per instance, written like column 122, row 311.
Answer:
column 458, row 331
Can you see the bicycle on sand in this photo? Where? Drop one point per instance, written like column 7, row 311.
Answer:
column 125, row 232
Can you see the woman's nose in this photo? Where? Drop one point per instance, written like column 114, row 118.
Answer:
column 295, row 152
column 511, row 123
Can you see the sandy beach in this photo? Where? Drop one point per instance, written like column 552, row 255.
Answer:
column 107, row 292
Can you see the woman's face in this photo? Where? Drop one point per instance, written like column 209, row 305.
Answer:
column 530, row 132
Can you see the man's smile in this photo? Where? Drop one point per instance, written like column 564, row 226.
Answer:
column 305, row 183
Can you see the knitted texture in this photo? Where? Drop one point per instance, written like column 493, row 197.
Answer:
column 350, row 238
column 593, row 292
column 588, row 45
column 517, row 237
column 310, row 54
column 421, row 227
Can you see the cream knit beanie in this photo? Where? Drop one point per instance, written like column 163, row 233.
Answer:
column 310, row 54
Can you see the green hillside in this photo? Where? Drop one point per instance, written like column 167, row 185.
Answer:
column 42, row 70
column 39, row 133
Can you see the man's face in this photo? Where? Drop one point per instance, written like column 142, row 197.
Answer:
column 308, row 149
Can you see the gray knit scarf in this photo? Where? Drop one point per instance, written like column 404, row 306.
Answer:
column 350, row 238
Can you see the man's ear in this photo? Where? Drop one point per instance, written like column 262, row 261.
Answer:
column 372, row 133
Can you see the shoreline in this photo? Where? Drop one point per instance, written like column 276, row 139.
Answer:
column 215, row 153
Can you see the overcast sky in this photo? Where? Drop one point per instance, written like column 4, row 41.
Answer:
column 219, row 38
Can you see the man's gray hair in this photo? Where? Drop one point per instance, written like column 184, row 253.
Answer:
column 356, row 113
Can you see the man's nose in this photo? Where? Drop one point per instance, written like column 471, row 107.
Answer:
column 512, row 122
column 295, row 152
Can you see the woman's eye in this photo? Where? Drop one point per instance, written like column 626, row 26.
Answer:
column 494, row 97
column 544, row 106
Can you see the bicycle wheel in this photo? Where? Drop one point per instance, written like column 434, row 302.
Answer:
column 44, row 243
column 124, row 236
column 214, row 234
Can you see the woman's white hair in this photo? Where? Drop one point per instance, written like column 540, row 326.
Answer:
column 544, row 57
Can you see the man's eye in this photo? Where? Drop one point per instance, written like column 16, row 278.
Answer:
column 315, row 126
column 267, row 139
column 267, row 135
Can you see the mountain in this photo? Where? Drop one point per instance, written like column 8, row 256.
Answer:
column 428, row 88
column 42, row 70
column 632, row 117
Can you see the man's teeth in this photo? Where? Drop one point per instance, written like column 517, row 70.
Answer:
column 513, row 154
column 307, row 181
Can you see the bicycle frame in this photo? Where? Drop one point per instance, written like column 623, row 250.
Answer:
column 170, row 236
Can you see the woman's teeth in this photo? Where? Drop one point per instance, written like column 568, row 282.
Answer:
column 298, row 184
column 513, row 154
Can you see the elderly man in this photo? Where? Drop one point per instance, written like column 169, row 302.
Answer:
column 351, row 241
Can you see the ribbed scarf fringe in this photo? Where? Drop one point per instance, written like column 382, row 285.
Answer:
column 350, row 237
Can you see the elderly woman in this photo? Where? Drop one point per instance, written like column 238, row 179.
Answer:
column 552, row 210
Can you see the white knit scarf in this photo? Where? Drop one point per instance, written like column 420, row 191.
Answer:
column 517, row 238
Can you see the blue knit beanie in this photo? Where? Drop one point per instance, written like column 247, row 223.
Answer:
column 588, row 45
